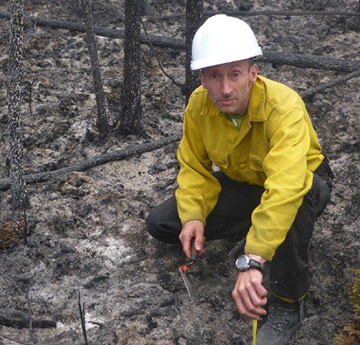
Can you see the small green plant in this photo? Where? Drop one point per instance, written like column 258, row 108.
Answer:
column 351, row 332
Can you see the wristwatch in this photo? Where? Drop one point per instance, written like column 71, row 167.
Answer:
column 244, row 263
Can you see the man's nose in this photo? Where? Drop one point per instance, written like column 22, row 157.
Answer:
column 225, row 87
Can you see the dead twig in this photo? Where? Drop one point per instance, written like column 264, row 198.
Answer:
column 82, row 318
column 181, row 86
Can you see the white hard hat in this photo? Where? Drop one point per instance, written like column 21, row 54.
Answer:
column 223, row 39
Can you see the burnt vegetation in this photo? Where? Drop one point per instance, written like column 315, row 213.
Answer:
column 92, row 96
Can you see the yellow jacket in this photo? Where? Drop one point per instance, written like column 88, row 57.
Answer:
column 276, row 147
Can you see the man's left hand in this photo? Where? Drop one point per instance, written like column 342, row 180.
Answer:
column 249, row 294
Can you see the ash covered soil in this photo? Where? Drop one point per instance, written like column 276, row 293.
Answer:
column 88, row 228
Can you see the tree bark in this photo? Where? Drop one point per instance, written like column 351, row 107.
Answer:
column 130, row 117
column 194, row 12
column 102, row 113
column 18, row 185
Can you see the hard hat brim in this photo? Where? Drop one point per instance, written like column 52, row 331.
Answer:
column 214, row 61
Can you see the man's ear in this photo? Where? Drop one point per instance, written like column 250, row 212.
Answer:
column 254, row 69
column 202, row 78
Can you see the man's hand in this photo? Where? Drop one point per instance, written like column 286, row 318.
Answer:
column 193, row 229
column 249, row 294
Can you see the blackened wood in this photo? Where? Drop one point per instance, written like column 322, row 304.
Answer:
column 194, row 12
column 19, row 319
column 311, row 61
column 102, row 115
column 130, row 116
column 286, row 13
column 97, row 160
column 18, row 185
column 339, row 80
column 159, row 41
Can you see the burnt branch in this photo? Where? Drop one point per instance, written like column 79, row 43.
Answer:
column 82, row 318
column 262, row 13
column 98, row 160
column 21, row 320
column 311, row 61
column 105, row 32
column 180, row 85
column 285, row 13
column 311, row 92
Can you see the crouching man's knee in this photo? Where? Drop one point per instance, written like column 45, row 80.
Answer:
column 163, row 222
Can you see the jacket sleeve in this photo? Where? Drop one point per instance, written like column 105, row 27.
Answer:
column 198, row 189
column 287, row 181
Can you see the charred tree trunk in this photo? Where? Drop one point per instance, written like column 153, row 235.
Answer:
column 194, row 12
column 102, row 113
column 18, row 185
column 130, row 117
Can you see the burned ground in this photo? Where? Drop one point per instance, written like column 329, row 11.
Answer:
column 88, row 228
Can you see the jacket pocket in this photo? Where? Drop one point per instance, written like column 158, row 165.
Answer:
column 256, row 162
column 219, row 158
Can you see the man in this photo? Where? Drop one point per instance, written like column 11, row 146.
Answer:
column 271, row 185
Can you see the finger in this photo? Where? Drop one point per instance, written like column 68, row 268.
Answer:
column 252, row 313
column 186, row 248
column 199, row 239
column 256, row 299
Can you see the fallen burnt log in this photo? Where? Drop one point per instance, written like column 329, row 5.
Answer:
column 313, row 91
column 159, row 41
column 95, row 161
column 19, row 319
column 286, row 13
column 276, row 58
column 311, row 61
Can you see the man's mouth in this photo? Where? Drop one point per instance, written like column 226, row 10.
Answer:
column 226, row 102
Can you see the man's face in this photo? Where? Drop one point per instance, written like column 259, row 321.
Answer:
column 229, row 85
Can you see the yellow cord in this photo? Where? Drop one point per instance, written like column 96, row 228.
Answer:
column 254, row 326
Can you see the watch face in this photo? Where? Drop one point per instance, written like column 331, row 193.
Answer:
column 242, row 262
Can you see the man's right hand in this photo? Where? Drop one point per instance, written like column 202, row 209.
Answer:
column 193, row 229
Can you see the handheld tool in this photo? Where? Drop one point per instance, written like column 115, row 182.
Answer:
column 185, row 267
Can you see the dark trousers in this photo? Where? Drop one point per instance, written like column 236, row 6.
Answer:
column 289, row 269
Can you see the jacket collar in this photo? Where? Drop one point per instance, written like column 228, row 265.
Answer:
column 256, row 107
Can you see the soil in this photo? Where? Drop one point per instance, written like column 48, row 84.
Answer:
column 88, row 235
